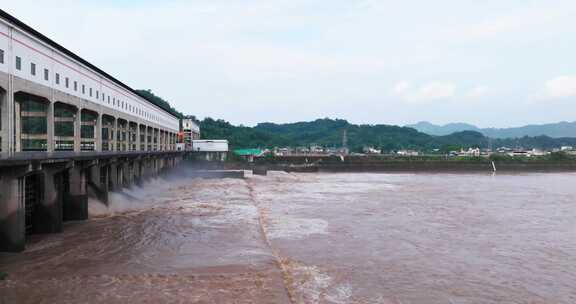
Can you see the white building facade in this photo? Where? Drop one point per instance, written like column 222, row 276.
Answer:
column 34, row 67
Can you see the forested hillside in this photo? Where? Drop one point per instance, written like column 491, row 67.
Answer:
column 328, row 132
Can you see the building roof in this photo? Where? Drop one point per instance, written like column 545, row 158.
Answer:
column 70, row 54
column 248, row 152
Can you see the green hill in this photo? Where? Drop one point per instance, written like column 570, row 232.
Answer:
column 328, row 132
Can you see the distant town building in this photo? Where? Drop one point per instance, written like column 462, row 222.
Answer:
column 520, row 153
column 371, row 150
column 315, row 149
column 407, row 153
column 471, row 152
column 537, row 152
column 249, row 154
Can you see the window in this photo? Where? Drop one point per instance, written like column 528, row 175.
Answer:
column 46, row 74
column 97, row 96
column 33, row 69
column 67, row 82
column 2, row 56
column 18, row 63
column 57, row 78
column 83, row 89
column 90, row 92
column 75, row 85
column 108, row 99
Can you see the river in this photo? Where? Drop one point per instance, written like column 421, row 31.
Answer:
column 313, row 238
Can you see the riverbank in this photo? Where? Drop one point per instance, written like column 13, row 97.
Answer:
column 403, row 164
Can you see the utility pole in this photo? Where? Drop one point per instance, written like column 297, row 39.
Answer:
column 345, row 141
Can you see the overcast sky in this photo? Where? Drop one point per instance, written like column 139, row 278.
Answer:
column 491, row 62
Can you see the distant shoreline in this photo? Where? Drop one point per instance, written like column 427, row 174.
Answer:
column 383, row 164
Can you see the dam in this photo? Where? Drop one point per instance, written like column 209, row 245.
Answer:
column 68, row 130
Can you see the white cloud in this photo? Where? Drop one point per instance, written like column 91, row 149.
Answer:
column 559, row 87
column 435, row 90
column 539, row 17
column 476, row 92
column 401, row 88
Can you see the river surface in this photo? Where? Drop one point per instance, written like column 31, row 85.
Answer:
column 313, row 238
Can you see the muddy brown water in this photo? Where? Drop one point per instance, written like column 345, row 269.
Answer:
column 313, row 238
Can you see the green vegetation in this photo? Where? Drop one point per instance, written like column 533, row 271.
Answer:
column 159, row 101
column 3, row 276
column 552, row 157
column 328, row 132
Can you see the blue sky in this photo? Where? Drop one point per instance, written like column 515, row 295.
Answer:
column 491, row 63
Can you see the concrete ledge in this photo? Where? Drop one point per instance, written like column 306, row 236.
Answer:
column 218, row 174
column 23, row 158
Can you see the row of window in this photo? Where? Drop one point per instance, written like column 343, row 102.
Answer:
column 99, row 95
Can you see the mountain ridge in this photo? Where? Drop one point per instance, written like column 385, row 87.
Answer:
column 561, row 129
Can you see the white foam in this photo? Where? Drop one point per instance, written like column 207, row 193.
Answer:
column 340, row 295
column 296, row 228
column 314, row 284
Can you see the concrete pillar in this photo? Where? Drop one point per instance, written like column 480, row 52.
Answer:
column 146, row 168
column 17, row 128
column 12, row 212
column 137, row 172
column 128, row 136
column 49, row 219
column 76, row 201
column 126, row 174
column 98, row 133
column 113, row 177
column 4, row 126
column 165, row 141
column 138, row 141
column 154, row 139
column 173, row 142
column 115, row 137
column 141, row 171
column 77, row 130
column 50, row 129
column 7, row 127
column 97, row 182
column 145, row 138
column 93, row 175
column 160, row 143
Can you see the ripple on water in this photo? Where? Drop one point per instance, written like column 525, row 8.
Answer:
column 296, row 228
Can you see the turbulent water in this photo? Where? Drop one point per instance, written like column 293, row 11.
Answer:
column 313, row 238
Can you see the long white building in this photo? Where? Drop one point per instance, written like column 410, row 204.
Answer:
column 53, row 100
